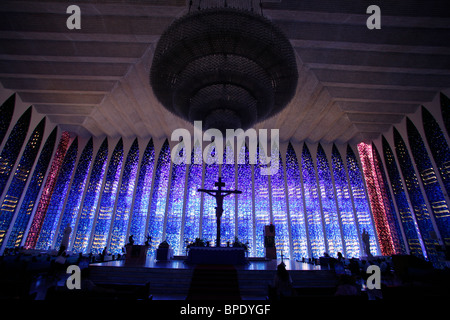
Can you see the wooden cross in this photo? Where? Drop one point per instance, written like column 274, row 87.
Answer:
column 219, row 194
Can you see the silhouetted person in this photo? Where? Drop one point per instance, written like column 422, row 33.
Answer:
column 283, row 282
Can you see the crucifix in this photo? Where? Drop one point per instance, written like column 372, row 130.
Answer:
column 219, row 194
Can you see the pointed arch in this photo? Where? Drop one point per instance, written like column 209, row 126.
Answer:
column 296, row 209
column 393, row 222
column 159, row 196
column 90, row 202
column 47, row 192
column 427, row 174
column 419, row 206
column 175, row 206
column 142, row 195
column 193, row 198
column 330, row 215
column 124, row 200
column 12, row 148
column 363, row 215
column 19, row 180
column 73, row 204
column 344, row 200
column 57, row 199
column 438, row 146
column 107, row 200
column 312, row 206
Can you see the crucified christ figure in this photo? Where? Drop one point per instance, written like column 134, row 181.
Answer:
column 219, row 194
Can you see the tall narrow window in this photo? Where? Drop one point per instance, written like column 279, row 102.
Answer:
column 227, row 232
column 330, row 215
column 415, row 195
column 47, row 192
column 360, row 200
column 175, row 206
column 438, row 146
column 296, row 211
column 430, row 182
column 279, row 211
column 124, row 200
column 445, row 110
column 193, row 198
column 344, row 200
column 73, row 204
column 391, row 216
column 262, row 204
column 56, row 204
column 313, row 216
column 108, row 200
column 142, row 196
column 20, row 178
column 6, row 113
column 90, row 201
column 28, row 203
column 245, row 200
column 12, row 148
column 209, row 202
column 406, row 214
column 159, row 196
column 376, row 201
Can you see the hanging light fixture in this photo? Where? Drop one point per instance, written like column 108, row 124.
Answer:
column 228, row 67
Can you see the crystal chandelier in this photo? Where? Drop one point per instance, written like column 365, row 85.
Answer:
column 225, row 65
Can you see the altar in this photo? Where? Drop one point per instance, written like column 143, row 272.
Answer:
column 216, row 255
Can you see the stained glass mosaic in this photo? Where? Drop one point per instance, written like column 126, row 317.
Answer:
column 107, row 200
column 90, row 202
column 55, row 207
column 19, row 180
column 416, row 197
column 73, row 204
column 28, row 203
column 124, row 200
column 328, row 200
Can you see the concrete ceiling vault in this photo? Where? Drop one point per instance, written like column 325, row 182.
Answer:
column 354, row 83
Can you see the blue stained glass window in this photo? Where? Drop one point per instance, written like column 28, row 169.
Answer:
column 438, row 146
column 394, row 227
column 227, row 230
column 262, row 205
column 209, row 202
column 90, row 201
column 344, row 200
column 76, row 192
column 406, row 218
column 431, row 185
column 6, row 113
column 175, row 207
column 56, row 204
column 330, row 216
column 360, row 200
column 245, row 201
column 12, row 147
column 29, row 200
column 279, row 211
column 313, row 216
column 124, row 200
column 193, row 197
column 20, row 178
column 296, row 209
column 415, row 195
column 142, row 194
column 159, row 196
column 445, row 110
column 107, row 200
